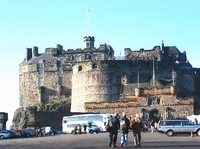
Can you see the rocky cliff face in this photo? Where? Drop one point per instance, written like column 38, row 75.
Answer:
column 26, row 117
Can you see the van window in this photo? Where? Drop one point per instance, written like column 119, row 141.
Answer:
column 177, row 123
column 169, row 122
column 186, row 123
column 165, row 123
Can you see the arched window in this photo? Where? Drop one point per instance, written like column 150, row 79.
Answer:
column 79, row 68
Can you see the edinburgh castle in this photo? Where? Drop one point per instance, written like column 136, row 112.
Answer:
column 159, row 83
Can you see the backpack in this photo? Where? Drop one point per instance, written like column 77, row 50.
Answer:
column 110, row 125
column 123, row 125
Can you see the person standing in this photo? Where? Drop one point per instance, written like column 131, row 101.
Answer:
column 155, row 126
column 85, row 128
column 137, row 125
column 79, row 127
column 152, row 126
column 196, row 121
column 114, row 123
column 124, row 128
column 75, row 129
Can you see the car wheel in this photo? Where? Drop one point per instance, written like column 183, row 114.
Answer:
column 198, row 132
column 72, row 132
column 2, row 137
column 170, row 133
column 97, row 131
column 91, row 131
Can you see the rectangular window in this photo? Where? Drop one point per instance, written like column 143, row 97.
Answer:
column 78, row 58
column 70, row 57
column 60, row 80
column 40, row 70
column 94, row 57
column 40, row 82
column 87, row 56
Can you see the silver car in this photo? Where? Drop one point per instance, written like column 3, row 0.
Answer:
column 5, row 134
column 177, row 126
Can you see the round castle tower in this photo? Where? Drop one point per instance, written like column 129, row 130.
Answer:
column 96, row 81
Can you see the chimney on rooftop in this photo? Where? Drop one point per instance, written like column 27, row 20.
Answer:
column 28, row 54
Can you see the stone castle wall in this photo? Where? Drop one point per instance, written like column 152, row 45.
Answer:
column 103, row 82
column 32, row 94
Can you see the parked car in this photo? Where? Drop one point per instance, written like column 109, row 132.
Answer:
column 178, row 126
column 4, row 134
column 27, row 133
column 49, row 131
column 16, row 133
column 19, row 132
column 94, row 128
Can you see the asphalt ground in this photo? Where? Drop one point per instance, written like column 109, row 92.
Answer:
column 100, row 141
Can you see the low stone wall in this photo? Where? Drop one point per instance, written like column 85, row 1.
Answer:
column 177, row 111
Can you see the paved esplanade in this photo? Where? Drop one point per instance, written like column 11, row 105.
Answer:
column 100, row 141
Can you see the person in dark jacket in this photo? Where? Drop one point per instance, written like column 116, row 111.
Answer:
column 137, row 125
column 124, row 128
column 114, row 123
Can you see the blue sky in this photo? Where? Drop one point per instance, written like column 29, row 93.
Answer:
column 123, row 24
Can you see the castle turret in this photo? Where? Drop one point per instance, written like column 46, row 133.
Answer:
column 89, row 42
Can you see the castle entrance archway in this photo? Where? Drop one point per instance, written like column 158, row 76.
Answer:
column 154, row 114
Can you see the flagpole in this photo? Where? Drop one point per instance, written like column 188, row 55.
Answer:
column 153, row 73
column 138, row 80
column 88, row 19
column 173, row 76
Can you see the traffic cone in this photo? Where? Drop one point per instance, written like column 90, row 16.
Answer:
column 191, row 135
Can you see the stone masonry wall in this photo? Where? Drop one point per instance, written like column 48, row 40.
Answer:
column 31, row 94
column 103, row 83
column 178, row 111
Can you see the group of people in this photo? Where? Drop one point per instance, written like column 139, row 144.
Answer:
column 125, row 125
column 78, row 129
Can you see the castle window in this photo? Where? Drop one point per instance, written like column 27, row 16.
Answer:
column 94, row 57
column 94, row 65
column 40, row 82
column 60, row 80
column 40, row 70
column 52, row 62
column 78, row 58
column 87, row 56
column 153, row 101
column 79, row 68
column 70, row 57
column 60, row 70
column 62, row 61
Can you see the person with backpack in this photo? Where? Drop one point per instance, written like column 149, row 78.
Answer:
column 137, row 125
column 114, row 125
column 124, row 128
